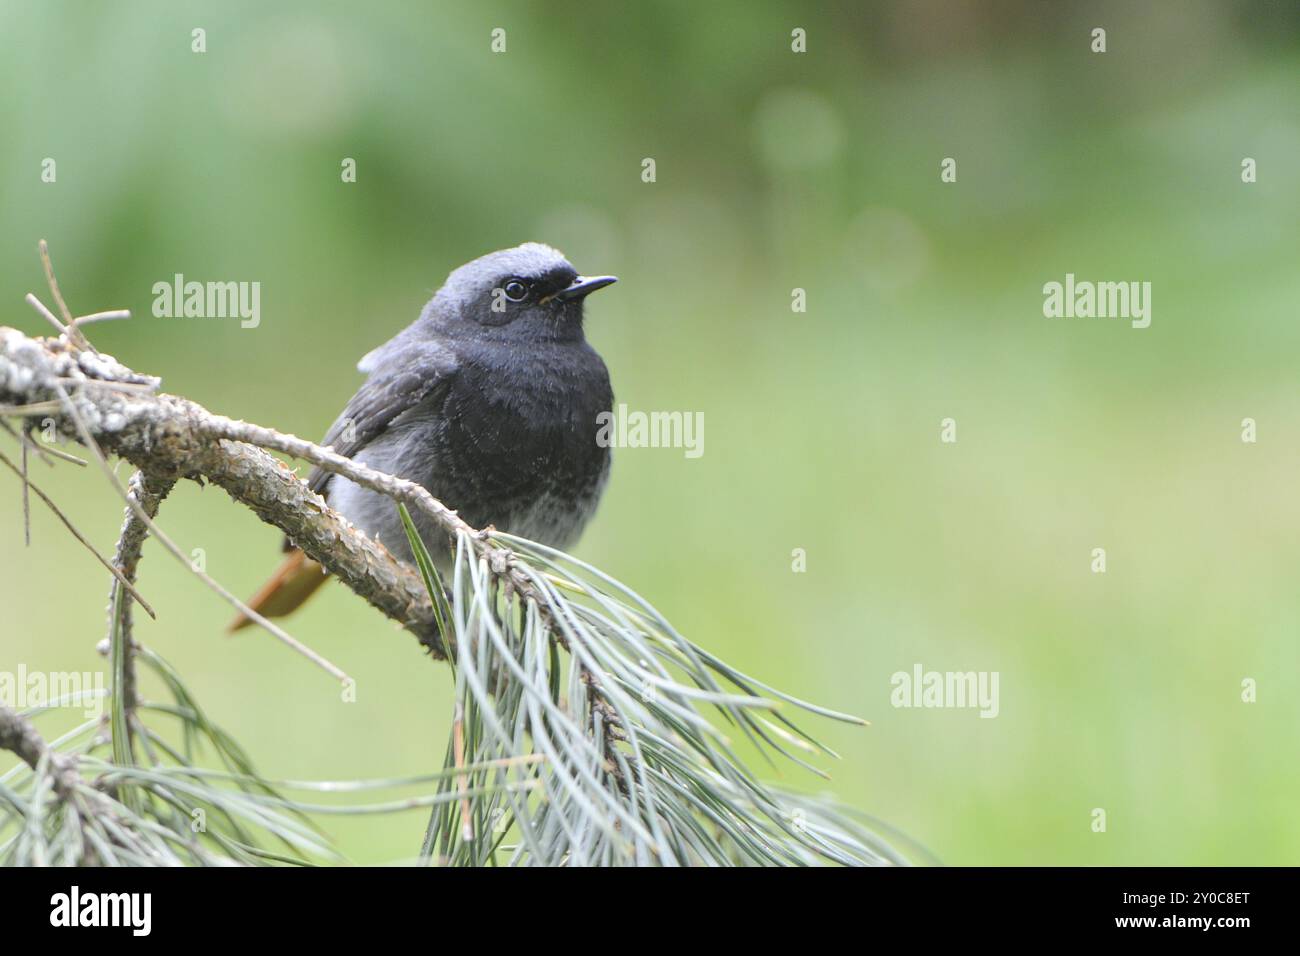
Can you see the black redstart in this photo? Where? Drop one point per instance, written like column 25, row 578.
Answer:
column 489, row 400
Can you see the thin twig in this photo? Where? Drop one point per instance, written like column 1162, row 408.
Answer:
column 34, row 408
column 45, row 313
column 44, row 452
column 135, row 388
column 25, row 442
column 148, row 493
column 89, row 441
column 75, row 335
column 58, row 453
column 27, row 500
column 54, row 284
column 109, row 316
column 67, row 523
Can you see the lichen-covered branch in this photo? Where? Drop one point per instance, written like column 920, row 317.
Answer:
column 21, row 738
column 169, row 438
column 148, row 493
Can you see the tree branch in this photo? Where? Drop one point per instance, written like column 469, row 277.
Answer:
column 18, row 736
column 148, row 494
column 170, row 438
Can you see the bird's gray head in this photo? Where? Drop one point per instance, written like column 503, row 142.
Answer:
column 528, row 293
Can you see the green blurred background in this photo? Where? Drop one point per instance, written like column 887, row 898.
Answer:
column 775, row 171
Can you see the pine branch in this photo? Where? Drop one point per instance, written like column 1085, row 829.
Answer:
column 147, row 493
column 608, row 758
column 19, row 737
column 92, row 396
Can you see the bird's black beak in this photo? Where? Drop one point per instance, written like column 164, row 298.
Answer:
column 584, row 285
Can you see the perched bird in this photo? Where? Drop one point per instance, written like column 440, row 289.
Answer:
column 489, row 400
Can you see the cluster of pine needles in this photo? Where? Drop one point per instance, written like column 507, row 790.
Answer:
column 586, row 731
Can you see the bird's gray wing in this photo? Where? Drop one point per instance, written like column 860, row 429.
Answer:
column 400, row 379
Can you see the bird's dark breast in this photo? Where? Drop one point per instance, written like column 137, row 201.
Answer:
column 516, row 447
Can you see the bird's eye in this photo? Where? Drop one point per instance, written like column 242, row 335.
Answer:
column 515, row 290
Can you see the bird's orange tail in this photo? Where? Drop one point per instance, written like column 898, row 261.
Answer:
column 293, row 582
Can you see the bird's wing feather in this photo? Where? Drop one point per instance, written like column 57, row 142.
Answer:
column 417, row 373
